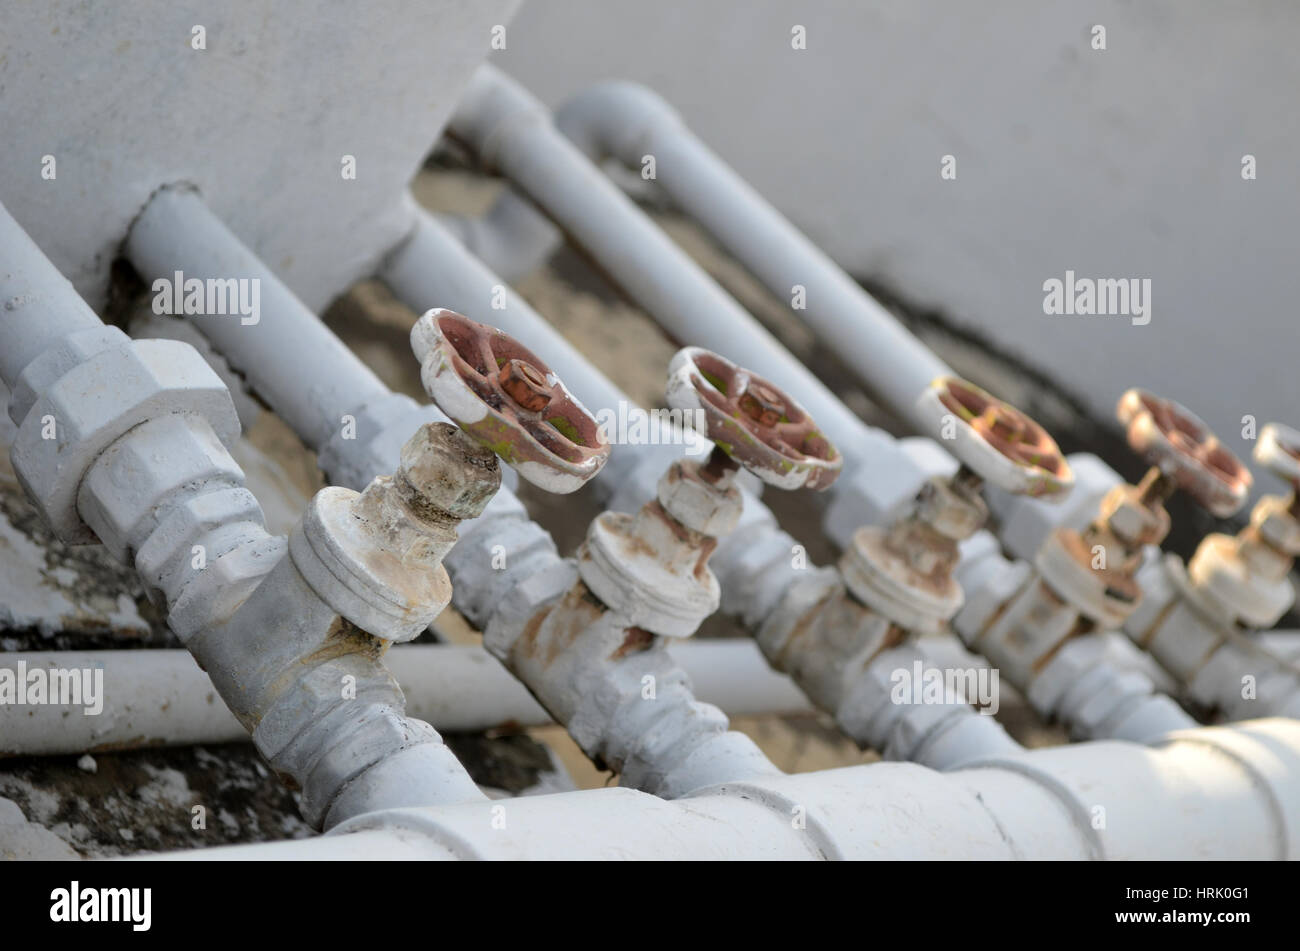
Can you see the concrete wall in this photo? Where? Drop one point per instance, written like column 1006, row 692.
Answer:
column 1117, row 163
column 259, row 119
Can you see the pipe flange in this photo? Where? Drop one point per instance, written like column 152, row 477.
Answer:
column 96, row 401
column 888, row 583
column 633, row 582
column 994, row 439
column 361, row 578
column 1219, row 620
column 1175, row 440
column 505, row 397
column 753, row 421
column 1220, row 573
column 1104, row 595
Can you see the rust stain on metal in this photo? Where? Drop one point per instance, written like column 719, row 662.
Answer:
column 525, row 384
column 635, row 640
column 556, row 627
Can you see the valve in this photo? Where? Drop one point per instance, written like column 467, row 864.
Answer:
column 996, row 441
column 507, row 399
column 1246, row 575
column 1095, row 570
column 1183, row 454
column 376, row 556
column 905, row 571
column 652, row 567
column 752, row 421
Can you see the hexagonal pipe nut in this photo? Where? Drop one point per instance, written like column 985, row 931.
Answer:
column 700, row 506
column 443, row 469
column 1277, row 524
column 1132, row 522
column 57, row 360
column 94, row 404
column 130, row 485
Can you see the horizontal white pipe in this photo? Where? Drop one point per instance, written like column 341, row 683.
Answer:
column 1207, row 794
column 162, row 698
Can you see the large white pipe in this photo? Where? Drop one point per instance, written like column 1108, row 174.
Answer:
column 161, row 697
column 1207, row 794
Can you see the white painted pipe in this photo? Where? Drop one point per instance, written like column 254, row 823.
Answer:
column 1282, row 644
column 433, row 266
column 1206, row 794
column 186, row 234
column 513, row 238
column 154, row 488
column 311, row 379
column 162, row 698
column 38, row 305
column 511, row 131
column 633, row 124
column 627, row 122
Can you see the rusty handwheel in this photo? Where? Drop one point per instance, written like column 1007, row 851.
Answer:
column 995, row 440
column 504, row 396
column 1187, row 453
column 753, row 421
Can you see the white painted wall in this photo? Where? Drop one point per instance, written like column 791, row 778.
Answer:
column 1119, row 163
column 259, row 120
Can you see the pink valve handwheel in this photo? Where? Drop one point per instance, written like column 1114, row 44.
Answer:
column 507, row 398
column 995, row 440
column 1175, row 440
column 753, row 421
